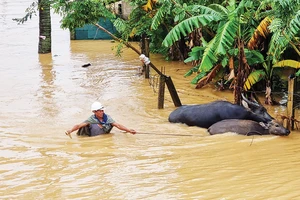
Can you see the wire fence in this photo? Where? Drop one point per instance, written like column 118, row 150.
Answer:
column 154, row 84
column 154, row 81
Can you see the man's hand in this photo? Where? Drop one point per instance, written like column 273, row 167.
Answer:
column 68, row 134
column 132, row 131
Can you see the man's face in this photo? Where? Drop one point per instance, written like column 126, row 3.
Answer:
column 99, row 113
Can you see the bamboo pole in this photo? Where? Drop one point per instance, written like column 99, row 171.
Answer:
column 168, row 79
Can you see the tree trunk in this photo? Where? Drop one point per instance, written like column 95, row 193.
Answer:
column 178, row 51
column 242, row 74
column 44, row 27
column 268, row 98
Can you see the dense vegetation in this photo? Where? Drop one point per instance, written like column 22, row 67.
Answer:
column 234, row 43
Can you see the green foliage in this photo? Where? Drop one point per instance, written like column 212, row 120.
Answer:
column 119, row 49
column 228, row 23
column 284, row 29
column 288, row 63
column 160, row 15
column 209, row 58
column 294, row 26
column 225, row 37
column 285, row 25
column 254, row 57
column 254, row 77
column 195, row 54
column 78, row 13
column 191, row 71
column 143, row 23
column 198, row 77
column 123, row 28
column 187, row 26
column 156, row 38
column 31, row 10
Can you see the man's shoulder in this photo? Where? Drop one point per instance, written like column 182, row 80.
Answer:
column 109, row 119
column 90, row 119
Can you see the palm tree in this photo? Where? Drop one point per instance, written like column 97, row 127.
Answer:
column 44, row 26
column 44, row 45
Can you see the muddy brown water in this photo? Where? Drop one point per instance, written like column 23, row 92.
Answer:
column 43, row 95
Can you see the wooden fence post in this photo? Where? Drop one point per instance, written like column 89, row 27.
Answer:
column 290, row 103
column 145, row 50
column 173, row 91
column 161, row 91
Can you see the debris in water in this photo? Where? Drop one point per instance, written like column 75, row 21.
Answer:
column 86, row 65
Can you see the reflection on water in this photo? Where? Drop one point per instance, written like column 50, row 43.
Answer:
column 42, row 95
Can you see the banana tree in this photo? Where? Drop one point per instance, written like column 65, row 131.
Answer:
column 281, row 23
column 266, row 74
column 230, row 24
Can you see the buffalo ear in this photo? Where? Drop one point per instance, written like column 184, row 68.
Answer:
column 263, row 125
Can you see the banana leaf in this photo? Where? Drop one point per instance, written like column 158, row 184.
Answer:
column 254, row 77
column 288, row 63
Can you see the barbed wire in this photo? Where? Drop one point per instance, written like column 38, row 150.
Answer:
column 154, row 81
column 154, row 84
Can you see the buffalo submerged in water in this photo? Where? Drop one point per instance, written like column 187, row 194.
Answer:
column 205, row 115
column 248, row 127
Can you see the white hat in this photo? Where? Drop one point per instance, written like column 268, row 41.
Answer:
column 97, row 106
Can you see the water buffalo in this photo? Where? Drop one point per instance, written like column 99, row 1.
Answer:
column 205, row 115
column 248, row 127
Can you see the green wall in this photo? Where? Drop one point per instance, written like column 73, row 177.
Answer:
column 91, row 32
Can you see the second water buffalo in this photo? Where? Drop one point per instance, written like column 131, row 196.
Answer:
column 205, row 115
column 248, row 127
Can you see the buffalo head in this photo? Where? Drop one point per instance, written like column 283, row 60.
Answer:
column 256, row 109
column 275, row 128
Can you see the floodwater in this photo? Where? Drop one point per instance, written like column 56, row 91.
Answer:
column 43, row 95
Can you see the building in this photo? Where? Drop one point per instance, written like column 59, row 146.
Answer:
column 91, row 32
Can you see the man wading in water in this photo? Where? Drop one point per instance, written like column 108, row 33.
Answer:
column 98, row 123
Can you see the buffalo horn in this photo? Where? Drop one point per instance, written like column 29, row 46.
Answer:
column 249, row 102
